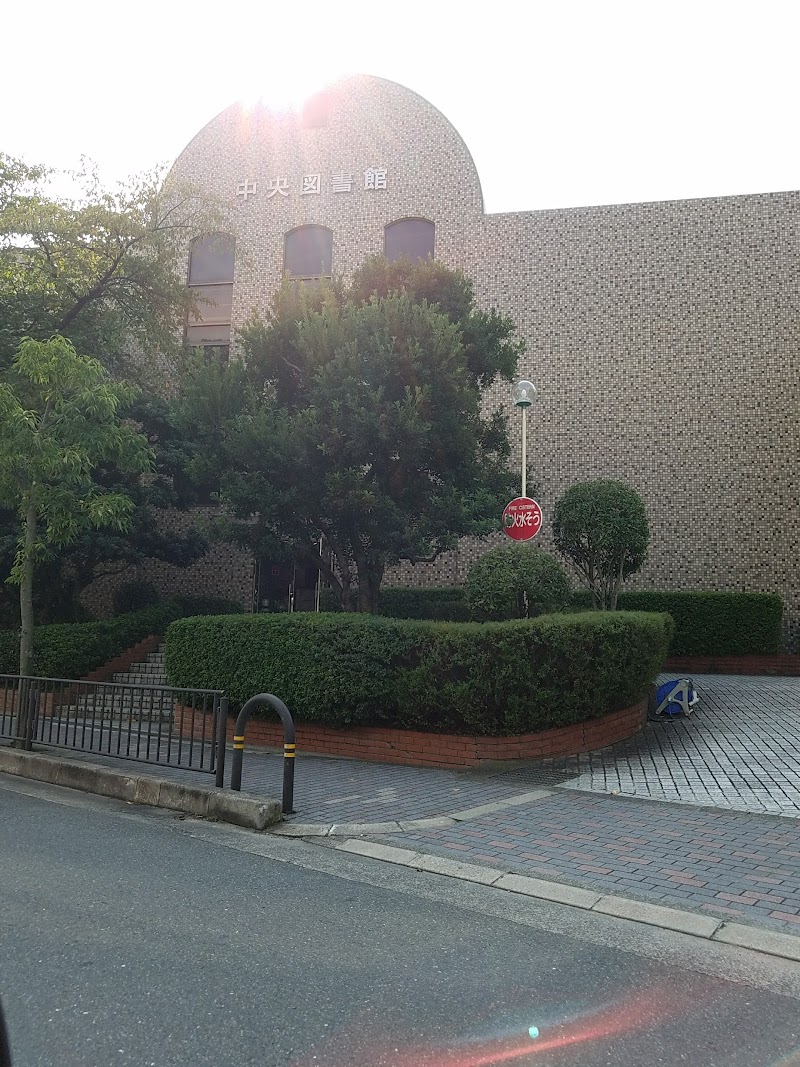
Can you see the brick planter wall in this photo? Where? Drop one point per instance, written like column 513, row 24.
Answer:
column 417, row 749
column 785, row 664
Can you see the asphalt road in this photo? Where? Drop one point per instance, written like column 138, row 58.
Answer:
column 130, row 937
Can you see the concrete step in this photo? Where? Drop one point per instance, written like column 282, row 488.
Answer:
column 133, row 697
column 127, row 707
column 139, row 679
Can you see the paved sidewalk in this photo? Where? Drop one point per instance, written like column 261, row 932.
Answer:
column 739, row 750
column 731, row 865
column 690, row 826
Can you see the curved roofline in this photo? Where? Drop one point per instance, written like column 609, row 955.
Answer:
column 424, row 99
column 330, row 85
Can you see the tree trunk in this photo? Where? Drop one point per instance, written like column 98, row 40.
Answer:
column 26, row 594
column 24, row 709
column 370, row 576
column 617, row 584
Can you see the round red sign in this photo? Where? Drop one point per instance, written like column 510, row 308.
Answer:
column 522, row 519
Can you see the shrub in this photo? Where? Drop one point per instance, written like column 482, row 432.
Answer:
column 446, row 604
column 134, row 596
column 198, row 604
column 601, row 528
column 516, row 582
column 710, row 623
column 71, row 650
column 481, row 678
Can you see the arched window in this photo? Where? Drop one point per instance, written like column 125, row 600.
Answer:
column 308, row 253
column 211, row 262
column 412, row 238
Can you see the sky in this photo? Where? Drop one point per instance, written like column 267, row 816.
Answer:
column 562, row 103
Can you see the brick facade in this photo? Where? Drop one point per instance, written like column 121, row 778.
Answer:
column 662, row 337
column 415, row 748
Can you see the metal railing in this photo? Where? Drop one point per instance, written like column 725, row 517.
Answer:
column 146, row 723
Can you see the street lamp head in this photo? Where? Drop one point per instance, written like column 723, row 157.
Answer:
column 523, row 393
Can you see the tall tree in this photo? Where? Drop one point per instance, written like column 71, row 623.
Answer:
column 103, row 270
column 60, row 417
column 357, row 416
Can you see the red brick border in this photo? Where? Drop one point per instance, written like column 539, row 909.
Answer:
column 418, row 749
column 785, row 664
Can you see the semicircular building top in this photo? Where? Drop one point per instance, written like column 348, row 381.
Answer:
column 364, row 153
column 357, row 123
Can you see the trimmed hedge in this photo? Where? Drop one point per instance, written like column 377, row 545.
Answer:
column 71, row 650
column 474, row 678
column 709, row 623
column 446, row 604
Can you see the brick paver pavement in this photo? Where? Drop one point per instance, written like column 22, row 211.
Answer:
column 715, row 847
column 729, row 864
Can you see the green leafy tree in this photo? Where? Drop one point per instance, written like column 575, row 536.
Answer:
column 61, row 578
column 60, row 417
column 601, row 528
column 516, row 582
column 356, row 417
column 103, row 270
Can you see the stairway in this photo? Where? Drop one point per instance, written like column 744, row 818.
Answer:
column 148, row 672
column 150, row 704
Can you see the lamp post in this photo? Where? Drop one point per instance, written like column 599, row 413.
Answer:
column 523, row 395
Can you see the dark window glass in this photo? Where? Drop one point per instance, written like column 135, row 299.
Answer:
column 211, row 265
column 211, row 261
column 309, row 252
column 412, row 238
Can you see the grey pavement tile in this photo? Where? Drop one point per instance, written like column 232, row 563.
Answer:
column 740, row 750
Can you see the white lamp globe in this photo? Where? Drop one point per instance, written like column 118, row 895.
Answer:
column 523, row 393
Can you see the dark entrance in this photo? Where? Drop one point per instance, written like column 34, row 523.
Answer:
column 286, row 587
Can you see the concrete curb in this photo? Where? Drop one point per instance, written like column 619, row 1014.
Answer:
column 686, row 922
column 435, row 822
column 204, row 802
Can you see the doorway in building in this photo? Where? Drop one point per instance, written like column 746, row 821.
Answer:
column 286, row 587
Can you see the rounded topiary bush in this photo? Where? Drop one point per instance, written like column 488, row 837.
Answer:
column 516, row 582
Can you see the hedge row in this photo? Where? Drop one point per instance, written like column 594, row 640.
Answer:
column 445, row 604
column 71, row 650
column 706, row 623
column 474, row 678
column 710, row 624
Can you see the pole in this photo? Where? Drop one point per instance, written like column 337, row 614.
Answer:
column 222, row 737
column 524, row 451
column 319, row 579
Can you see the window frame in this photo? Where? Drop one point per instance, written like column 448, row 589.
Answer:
column 398, row 222
column 306, row 277
column 209, row 313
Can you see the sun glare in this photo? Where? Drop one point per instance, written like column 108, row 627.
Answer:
column 286, row 91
